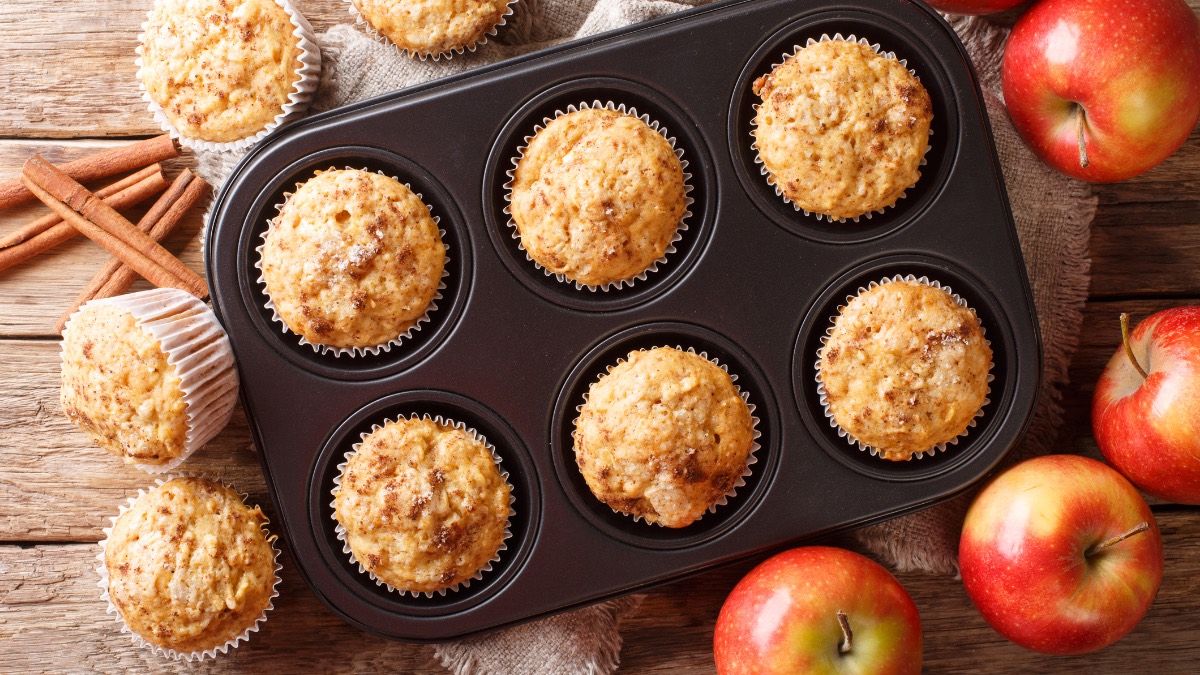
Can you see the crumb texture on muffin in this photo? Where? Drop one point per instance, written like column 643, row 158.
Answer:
column 424, row 505
column 841, row 129
column 905, row 368
column 429, row 27
column 189, row 565
column 597, row 196
column 118, row 387
column 353, row 259
column 663, row 435
column 221, row 70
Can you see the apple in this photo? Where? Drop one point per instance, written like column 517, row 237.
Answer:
column 1146, row 409
column 1103, row 90
column 818, row 609
column 1061, row 555
column 973, row 6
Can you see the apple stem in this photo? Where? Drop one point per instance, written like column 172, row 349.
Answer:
column 1083, row 156
column 1128, row 348
column 1109, row 543
column 847, row 634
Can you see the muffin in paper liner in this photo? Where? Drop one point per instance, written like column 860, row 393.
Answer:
column 687, row 189
column 824, row 399
column 305, row 87
column 373, row 350
column 751, row 456
column 340, row 530
column 367, row 27
column 138, row 640
column 754, row 123
column 197, row 347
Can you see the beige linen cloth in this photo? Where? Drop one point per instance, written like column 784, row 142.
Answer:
column 1052, row 213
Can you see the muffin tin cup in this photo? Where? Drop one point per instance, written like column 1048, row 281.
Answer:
column 823, row 397
column 373, row 350
column 138, row 640
column 754, row 124
column 751, row 458
column 197, row 347
column 340, row 530
column 681, row 227
column 303, row 90
column 362, row 22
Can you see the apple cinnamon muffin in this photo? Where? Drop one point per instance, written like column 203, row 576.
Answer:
column 663, row 436
column 841, row 130
column 432, row 27
column 905, row 368
column 597, row 196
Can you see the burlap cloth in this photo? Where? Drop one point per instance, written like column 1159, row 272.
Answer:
column 1053, row 215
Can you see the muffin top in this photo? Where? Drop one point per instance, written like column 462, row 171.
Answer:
column 428, row 27
column 597, row 196
column 423, row 504
column 189, row 566
column 352, row 260
column 841, row 129
column 221, row 69
column 905, row 368
column 118, row 387
column 663, row 436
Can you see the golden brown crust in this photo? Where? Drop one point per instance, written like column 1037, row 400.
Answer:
column 597, row 196
column 663, row 436
column 841, row 129
column 423, row 504
column 433, row 26
column 189, row 566
column 905, row 368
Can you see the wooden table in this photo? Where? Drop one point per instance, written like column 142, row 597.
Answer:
column 68, row 87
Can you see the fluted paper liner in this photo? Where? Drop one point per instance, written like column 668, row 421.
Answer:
column 367, row 27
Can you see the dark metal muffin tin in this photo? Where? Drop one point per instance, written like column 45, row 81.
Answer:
column 510, row 351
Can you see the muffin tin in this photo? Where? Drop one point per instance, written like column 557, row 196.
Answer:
column 510, row 351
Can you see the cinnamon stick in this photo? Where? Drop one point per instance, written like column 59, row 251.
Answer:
column 96, row 219
column 61, row 232
column 101, row 165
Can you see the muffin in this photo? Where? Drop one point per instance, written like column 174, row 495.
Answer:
column 353, row 260
column 422, row 505
column 148, row 376
column 663, row 436
column 841, row 130
column 597, row 196
column 189, row 568
column 905, row 368
column 434, row 27
column 223, row 70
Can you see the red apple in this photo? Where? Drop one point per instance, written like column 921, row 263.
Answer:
column 818, row 609
column 1146, row 410
column 1103, row 90
column 973, row 6
column 1061, row 555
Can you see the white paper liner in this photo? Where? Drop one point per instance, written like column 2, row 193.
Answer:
column 680, row 228
column 751, row 458
column 754, row 123
column 138, row 640
column 340, row 530
column 197, row 347
column 373, row 350
column 368, row 28
column 301, row 95
column 824, row 399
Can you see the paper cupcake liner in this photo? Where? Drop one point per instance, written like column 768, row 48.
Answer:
column 368, row 28
column 373, row 350
column 824, row 398
column 687, row 189
column 198, row 348
column 754, row 123
column 751, row 458
column 301, row 95
column 340, row 530
column 138, row 640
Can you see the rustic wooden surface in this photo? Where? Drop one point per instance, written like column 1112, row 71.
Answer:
column 69, row 88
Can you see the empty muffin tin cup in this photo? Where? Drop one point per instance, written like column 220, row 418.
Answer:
column 368, row 28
